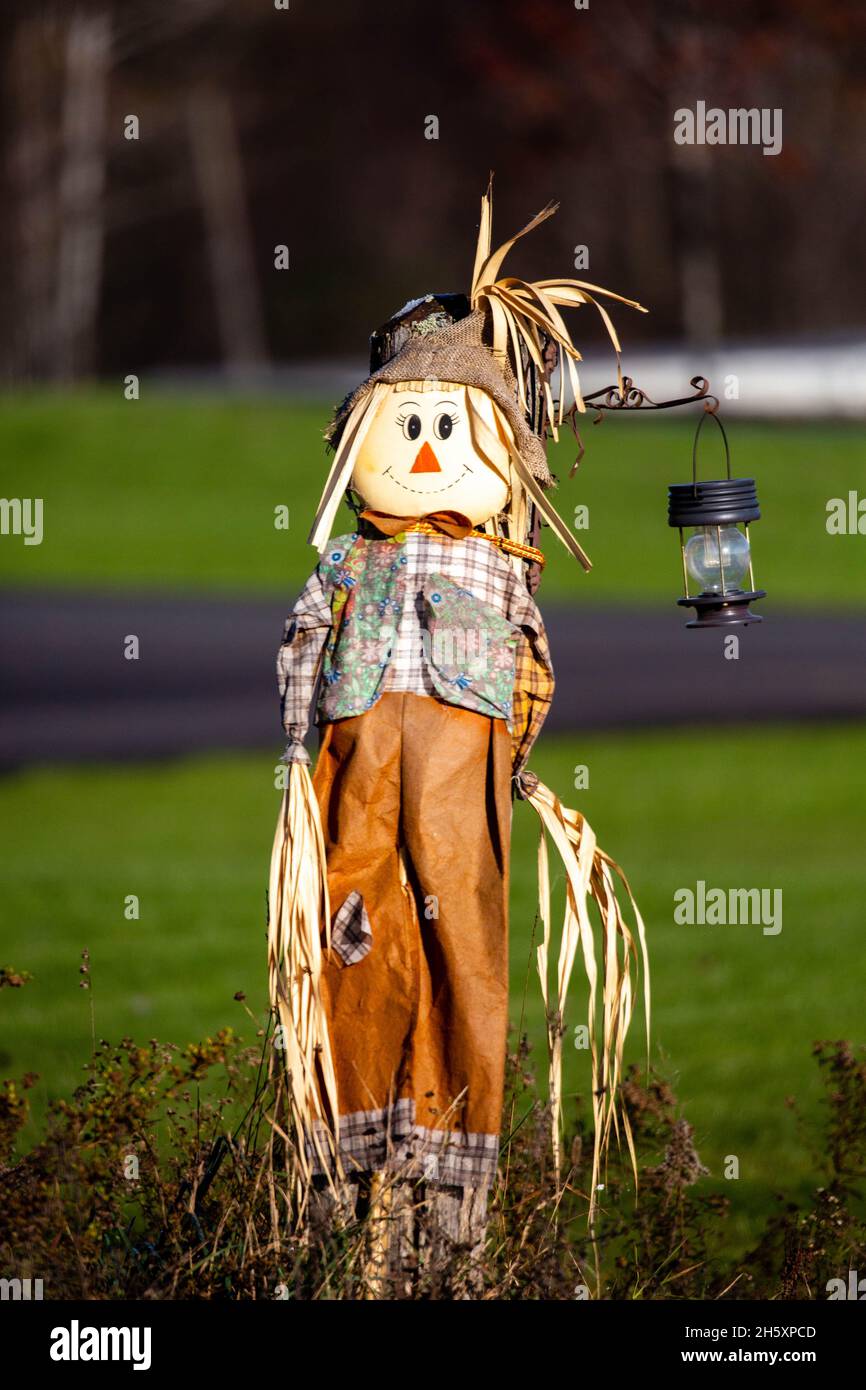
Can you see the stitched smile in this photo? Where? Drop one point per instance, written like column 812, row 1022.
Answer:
column 426, row 491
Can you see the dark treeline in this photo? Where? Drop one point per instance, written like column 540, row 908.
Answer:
column 306, row 127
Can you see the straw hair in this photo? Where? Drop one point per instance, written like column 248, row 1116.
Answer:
column 360, row 420
column 501, row 451
column 524, row 315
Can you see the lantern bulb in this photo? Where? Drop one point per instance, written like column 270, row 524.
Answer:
column 703, row 562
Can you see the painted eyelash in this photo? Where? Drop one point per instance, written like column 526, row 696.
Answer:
column 453, row 416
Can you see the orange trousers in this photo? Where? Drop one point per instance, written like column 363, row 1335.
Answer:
column 415, row 800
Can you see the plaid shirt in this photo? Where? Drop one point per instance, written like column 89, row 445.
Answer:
column 391, row 580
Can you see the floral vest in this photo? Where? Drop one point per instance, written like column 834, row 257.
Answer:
column 467, row 653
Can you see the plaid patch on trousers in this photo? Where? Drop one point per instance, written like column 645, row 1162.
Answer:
column 351, row 933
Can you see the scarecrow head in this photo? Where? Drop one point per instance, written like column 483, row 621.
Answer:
column 459, row 402
column 420, row 454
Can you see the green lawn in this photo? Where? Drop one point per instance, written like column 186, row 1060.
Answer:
column 735, row 1011
column 180, row 492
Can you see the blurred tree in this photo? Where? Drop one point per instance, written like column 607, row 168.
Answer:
column 219, row 173
column 81, row 213
column 29, row 227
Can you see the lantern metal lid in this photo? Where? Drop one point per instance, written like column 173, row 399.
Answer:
column 713, row 504
column 719, row 552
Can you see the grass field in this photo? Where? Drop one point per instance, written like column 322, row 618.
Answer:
column 735, row 1011
column 180, row 492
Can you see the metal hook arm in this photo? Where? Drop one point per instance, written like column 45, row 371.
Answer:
column 624, row 395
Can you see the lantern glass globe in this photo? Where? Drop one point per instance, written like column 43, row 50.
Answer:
column 703, row 562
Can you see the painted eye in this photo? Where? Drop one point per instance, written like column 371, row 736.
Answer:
column 411, row 426
column 443, row 426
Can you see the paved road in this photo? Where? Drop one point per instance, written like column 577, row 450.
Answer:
column 205, row 676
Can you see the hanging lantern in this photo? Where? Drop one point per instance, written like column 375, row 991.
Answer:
column 717, row 555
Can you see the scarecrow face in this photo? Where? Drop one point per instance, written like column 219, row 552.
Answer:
column 418, row 456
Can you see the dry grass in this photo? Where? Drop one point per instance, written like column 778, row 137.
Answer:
column 142, row 1189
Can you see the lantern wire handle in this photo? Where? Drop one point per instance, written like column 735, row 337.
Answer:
column 695, row 447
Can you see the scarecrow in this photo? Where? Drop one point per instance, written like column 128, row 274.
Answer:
column 418, row 643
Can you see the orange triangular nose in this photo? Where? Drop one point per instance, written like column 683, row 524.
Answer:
column 426, row 461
